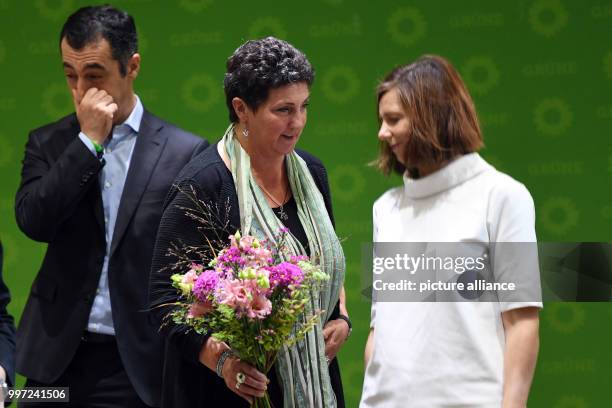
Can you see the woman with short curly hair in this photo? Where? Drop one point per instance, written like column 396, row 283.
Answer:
column 265, row 184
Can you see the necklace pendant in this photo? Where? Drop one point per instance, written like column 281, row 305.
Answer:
column 283, row 215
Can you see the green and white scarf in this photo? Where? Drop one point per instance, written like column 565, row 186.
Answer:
column 302, row 368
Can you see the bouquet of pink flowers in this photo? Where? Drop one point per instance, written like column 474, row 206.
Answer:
column 252, row 296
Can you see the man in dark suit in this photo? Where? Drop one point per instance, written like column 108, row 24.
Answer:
column 93, row 185
column 7, row 339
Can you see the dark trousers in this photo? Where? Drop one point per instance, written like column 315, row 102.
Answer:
column 95, row 377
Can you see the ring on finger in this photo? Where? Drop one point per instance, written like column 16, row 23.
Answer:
column 240, row 377
column 238, row 384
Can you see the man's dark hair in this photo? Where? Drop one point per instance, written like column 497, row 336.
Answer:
column 260, row 65
column 90, row 24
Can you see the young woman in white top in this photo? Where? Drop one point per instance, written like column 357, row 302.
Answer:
column 452, row 354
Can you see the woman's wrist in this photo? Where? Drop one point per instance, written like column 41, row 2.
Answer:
column 211, row 352
column 221, row 361
column 348, row 322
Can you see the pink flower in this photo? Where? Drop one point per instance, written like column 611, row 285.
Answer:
column 286, row 274
column 259, row 307
column 245, row 297
column 261, row 255
column 229, row 257
column 199, row 309
column 205, row 285
column 246, row 242
column 234, row 293
column 189, row 277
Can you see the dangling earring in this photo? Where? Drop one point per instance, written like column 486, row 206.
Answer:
column 245, row 132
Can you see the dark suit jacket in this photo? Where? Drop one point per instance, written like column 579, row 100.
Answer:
column 7, row 331
column 59, row 202
column 188, row 383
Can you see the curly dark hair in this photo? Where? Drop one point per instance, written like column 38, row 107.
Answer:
column 89, row 24
column 260, row 65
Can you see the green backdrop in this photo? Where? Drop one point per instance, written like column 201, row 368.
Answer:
column 540, row 73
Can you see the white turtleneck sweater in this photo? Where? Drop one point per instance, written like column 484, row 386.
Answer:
column 445, row 354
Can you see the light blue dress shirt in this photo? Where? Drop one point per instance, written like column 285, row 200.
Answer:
column 118, row 152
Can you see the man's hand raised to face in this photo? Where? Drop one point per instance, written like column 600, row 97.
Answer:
column 95, row 111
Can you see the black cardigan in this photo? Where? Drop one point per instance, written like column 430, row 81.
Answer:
column 186, row 382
